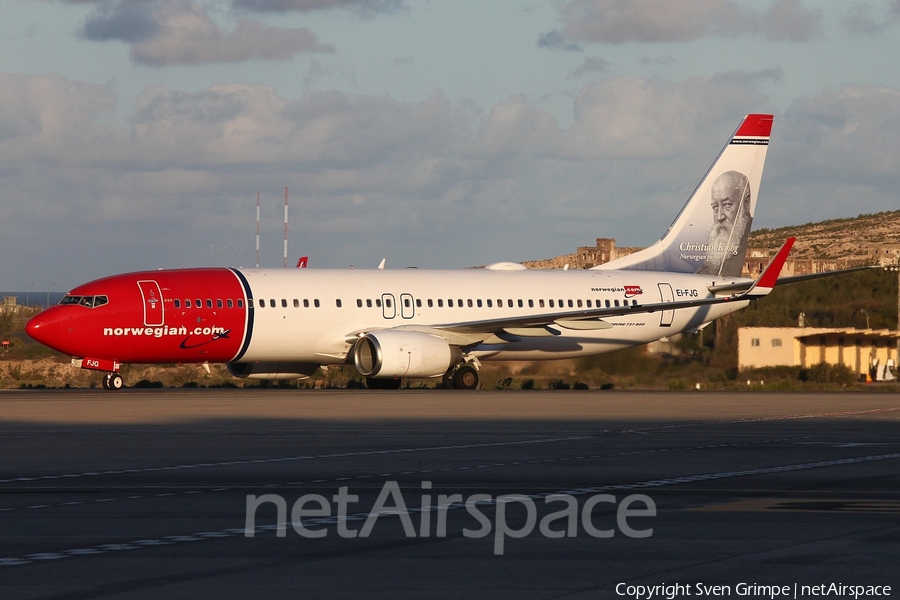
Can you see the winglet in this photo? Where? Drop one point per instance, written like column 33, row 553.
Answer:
column 767, row 279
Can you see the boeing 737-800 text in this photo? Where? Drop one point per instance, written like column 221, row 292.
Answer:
column 412, row 323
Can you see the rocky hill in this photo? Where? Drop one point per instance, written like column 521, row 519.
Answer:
column 834, row 244
column 863, row 238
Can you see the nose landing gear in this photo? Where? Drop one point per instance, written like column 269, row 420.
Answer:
column 113, row 381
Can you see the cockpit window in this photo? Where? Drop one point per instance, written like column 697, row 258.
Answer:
column 88, row 301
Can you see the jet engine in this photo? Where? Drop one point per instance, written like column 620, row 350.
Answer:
column 395, row 353
column 272, row 370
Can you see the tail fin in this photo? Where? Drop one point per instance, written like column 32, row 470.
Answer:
column 710, row 233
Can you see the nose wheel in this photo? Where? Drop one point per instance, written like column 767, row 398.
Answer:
column 113, row 381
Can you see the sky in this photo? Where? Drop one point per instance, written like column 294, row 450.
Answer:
column 135, row 134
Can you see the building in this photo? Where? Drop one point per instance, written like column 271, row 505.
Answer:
column 863, row 350
column 10, row 304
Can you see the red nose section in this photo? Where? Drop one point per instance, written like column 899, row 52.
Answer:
column 45, row 328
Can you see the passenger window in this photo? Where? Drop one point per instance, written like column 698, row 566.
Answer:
column 262, row 303
column 509, row 302
column 316, row 303
column 550, row 302
column 589, row 303
column 359, row 303
column 219, row 303
column 378, row 302
column 430, row 303
column 388, row 303
column 579, row 303
column 450, row 302
column 306, row 303
column 283, row 303
column 530, row 303
column 368, row 303
column 187, row 303
column 459, row 303
column 199, row 304
column 230, row 303
column 469, row 303
column 440, row 303
column 272, row 302
column 177, row 303
column 418, row 303
column 541, row 303
column 519, row 302
column 478, row 303
column 337, row 302
column 241, row 302
column 570, row 304
column 406, row 302
column 607, row 304
column 296, row 303
column 617, row 302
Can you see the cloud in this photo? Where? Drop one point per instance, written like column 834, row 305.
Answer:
column 555, row 40
column 591, row 64
column 365, row 8
column 624, row 21
column 433, row 182
column 126, row 21
column 864, row 19
column 181, row 32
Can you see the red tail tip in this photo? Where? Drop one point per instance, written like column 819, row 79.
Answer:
column 755, row 126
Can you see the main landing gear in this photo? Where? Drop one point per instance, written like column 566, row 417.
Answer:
column 462, row 377
column 113, row 381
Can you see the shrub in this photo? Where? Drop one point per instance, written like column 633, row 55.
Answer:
column 528, row 384
column 826, row 373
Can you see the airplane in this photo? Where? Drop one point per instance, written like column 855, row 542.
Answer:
column 281, row 324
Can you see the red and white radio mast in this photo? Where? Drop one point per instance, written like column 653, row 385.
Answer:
column 285, row 225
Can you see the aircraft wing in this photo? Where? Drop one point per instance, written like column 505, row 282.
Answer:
column 587, row 319
column 739, row 286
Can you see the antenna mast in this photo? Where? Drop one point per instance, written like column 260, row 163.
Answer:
column 285, row 225
column 257, row 229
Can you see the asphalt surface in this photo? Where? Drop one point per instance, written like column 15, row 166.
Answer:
column 144, row 493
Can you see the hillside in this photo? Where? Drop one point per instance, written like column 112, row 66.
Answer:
column 853, row 238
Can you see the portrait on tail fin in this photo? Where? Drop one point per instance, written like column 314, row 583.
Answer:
column 730, row 201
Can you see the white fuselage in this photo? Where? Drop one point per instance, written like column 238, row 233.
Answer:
column 317, row 313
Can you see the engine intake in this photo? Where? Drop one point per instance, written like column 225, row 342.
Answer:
column 395, row 353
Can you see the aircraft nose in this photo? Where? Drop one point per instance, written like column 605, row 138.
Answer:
column 44, row 328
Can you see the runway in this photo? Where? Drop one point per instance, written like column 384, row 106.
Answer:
column 145, row 493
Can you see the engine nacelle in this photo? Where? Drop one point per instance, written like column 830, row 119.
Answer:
column 395, row 353
column 272, row 370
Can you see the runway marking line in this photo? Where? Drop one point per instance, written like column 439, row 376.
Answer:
column 13, row 561
column 821, row 505
column 425, row 471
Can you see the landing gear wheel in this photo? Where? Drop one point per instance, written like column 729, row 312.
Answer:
column 374, row 383
column 113, row 381
column 465, row 378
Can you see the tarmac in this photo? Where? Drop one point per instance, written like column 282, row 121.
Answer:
column 507, row 494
